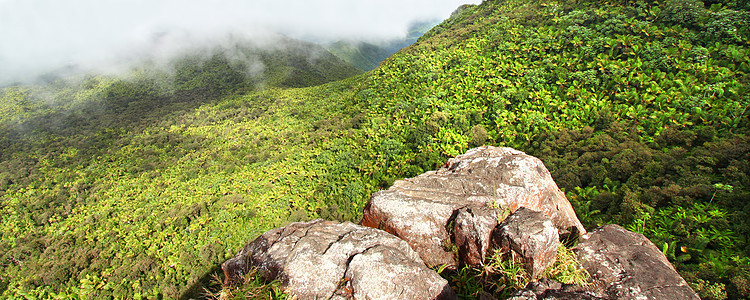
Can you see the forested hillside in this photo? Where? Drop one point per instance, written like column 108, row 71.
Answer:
column 368, row 55
column 141, row 186
column 102, row 177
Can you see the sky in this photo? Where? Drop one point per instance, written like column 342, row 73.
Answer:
column 39, row 36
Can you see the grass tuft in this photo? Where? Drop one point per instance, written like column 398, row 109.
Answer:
column 567, row 269
column 253, row 287
column 502, row 274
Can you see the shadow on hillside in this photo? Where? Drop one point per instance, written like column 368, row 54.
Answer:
column 207, row 281
column 96, row 126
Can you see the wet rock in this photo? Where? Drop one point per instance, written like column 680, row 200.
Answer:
column 324, row 259
column 530, row 235
column 473, row 228
column 418, row 209
column 626, row 265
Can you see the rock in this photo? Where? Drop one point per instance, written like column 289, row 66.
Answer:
column 486, row 296
column 418, row 209
column 530, row 235
column 473, row 228
column 552, row 290
column 421, row 223
column 325, row 259
column 536, row 289
column 626, row 265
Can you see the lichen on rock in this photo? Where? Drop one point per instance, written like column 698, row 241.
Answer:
column 330, row 260
column 419, row 209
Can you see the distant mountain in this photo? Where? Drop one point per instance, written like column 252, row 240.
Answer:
column 67, row 102
column 284, row 61
column 296, row 63
column 368, row 55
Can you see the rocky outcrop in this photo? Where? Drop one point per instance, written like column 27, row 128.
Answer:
column 531, row 236
column 622, row 265
column 626, row 265
column 331, row 260
column 462, row 203
column 419, row 209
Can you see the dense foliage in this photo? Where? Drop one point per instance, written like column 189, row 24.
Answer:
column 114, row 186
column 639, row 110
column 140, row 187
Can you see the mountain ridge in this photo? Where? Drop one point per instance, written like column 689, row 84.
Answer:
column 636, row 111
column 367, row 56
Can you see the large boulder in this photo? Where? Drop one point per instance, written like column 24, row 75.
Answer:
column 419, row 209
column 626, row 265
column 330, row 260
column 532, row 237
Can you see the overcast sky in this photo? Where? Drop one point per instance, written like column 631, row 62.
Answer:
column 37, row 36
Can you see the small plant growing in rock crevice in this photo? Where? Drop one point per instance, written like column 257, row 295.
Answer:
column 253, row 287
column 567, row 269
column 502, row 274
column 511, row 273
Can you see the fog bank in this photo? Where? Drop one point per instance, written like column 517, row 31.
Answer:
column 40, row 36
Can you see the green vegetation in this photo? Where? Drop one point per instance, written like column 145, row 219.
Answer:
column 254, row 287
column 140, row 187
column 636, row 115
column 363, row 55
column 504, row 273
column 367, row 56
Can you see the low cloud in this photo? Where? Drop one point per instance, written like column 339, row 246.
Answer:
column 39, row 36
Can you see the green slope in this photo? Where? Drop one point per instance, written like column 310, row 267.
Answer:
column 103, row 177
column 368, row 55
column 638, row 110
column 364, row 56
column 294, row 63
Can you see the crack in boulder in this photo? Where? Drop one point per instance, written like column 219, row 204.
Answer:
column 515, row 179
column 336, row 260
column 330, row 260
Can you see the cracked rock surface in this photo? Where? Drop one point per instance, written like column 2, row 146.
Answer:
column 330, row 260
column 530, row 235
column 549, row 289
column 418, row 209
column 473, row 228
column 626, row 265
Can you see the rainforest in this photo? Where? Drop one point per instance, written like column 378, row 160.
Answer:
column 138, row 186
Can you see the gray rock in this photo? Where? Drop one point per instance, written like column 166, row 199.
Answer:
column 626, row 265
column 536, row 289
column 418, row 209
column 531, row 235
column 473, row 228
column 330, row 260
column 548, row 289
